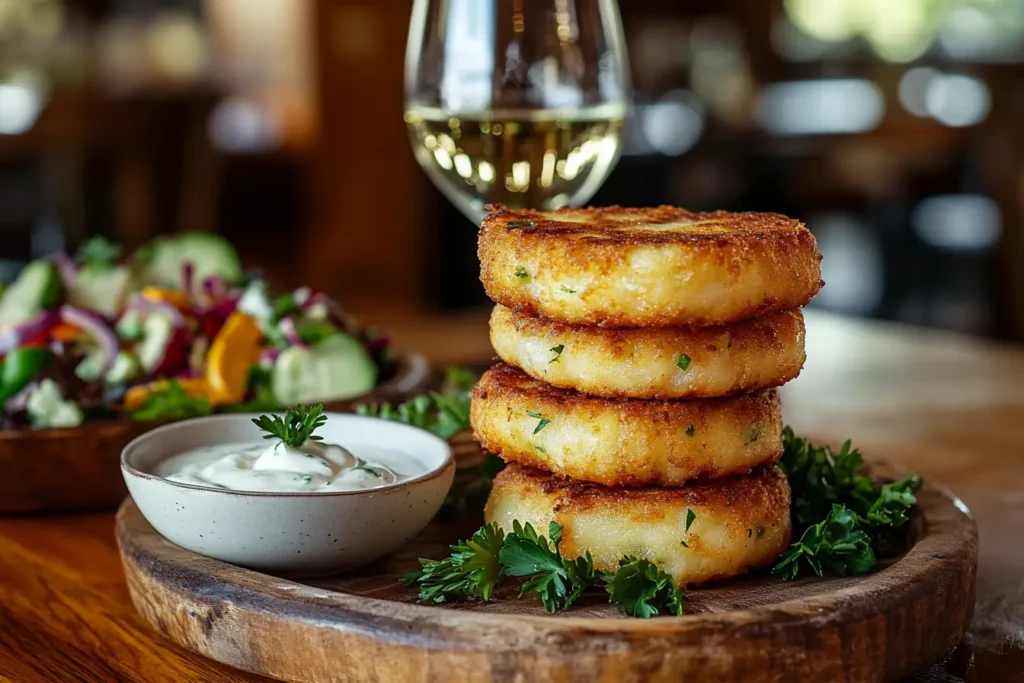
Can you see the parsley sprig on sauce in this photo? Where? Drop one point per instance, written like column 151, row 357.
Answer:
column 296, row 427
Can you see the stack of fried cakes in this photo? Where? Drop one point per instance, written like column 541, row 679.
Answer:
column 636, row 404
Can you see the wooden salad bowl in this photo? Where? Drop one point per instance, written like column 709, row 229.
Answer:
column 79, row 468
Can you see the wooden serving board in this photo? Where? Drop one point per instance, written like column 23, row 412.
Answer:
column 80, row 468
column 367, row 627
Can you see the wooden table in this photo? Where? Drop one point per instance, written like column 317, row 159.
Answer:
column 949, row 407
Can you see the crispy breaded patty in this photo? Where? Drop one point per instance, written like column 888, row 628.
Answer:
column 656, row 267
column 623, row 442
column 739, row 524
column 647, row 362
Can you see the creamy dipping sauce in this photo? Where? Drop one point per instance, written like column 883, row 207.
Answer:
column 316, row 467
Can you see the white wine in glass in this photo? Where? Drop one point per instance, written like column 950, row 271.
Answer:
column 518, row 102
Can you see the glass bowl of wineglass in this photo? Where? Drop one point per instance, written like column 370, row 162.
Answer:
column 516, row 102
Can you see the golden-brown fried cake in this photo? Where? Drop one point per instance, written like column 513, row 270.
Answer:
column 739, row 524
column 648, row 362
column 623, row 442
column 656, row 267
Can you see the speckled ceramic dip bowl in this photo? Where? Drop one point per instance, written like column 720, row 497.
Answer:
column 297, row 534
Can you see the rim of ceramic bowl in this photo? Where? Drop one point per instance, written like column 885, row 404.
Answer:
column 129, row 468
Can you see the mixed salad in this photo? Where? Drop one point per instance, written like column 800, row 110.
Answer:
column 175, row 330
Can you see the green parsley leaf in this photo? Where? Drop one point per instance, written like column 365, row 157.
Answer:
column 521, row 272
column 642, row 590
column 689, row 519
column 471, row 570
column 543, row 421
column 520, row 224
column 838, row 543
column 690, row 430
column 99, row 252
column 820, row 477
column 557, row 350
column 567, row 290
column 171, row 403
column 557, row 581
column 296, row 427
column 443, row 413
column 683, row 362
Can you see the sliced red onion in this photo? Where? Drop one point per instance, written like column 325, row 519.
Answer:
column 214, row 288
column 287, row 326
column 97, row 328
column 188, row 272
column 16, row 335
column 269, row 356
column 144, row 305
column 226, row 307
column 67, row 268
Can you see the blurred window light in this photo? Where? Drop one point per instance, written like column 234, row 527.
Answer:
column 795, row 45
column 851, row 262
column 833, row 106
column 899, row 31
column 913, row 89
column 985, row 31
column 958, row 222
column 242, row 126
column 832, row 20
column 673, row 125
column 469, row 56
column 957, row 100
column 19, row 108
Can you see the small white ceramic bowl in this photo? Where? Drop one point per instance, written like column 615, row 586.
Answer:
column 299, row 534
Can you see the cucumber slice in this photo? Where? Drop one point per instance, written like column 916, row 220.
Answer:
column 157, row 331
column 36, row 288
column 209, row 254
column 101, row 289
column 335, row 369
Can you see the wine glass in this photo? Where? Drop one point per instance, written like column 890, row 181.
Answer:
column 518, row 102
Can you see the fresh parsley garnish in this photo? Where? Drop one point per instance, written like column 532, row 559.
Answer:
column 521, row 272
column 521, row 224
column 689, row 519
column 443, row 413
column 542, row 421
column 556, row 580
column 567, row 290
column 171, row 402
column 844, row 517
column 557, row 350
column 838, row 543
column 471, row 570
column 296, row 427
column 475, row 568
column 99, row 252
column 683, row 361
column 690, row 430
column 641, row 590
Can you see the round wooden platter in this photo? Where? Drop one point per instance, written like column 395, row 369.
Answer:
column 366, row 626
column 80, row 468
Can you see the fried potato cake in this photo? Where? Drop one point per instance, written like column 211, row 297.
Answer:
column 657, row 267
column 623, row 442
column 644, row 362
column 739, row 524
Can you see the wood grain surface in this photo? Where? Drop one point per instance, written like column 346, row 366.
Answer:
column 367, row 627
column 80, row 468
column 946, row 406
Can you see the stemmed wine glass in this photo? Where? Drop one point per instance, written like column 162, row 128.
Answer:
column 519, row 102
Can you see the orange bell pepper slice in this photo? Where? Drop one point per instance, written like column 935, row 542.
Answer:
column 136, row 396
column 233, row 353
column 179, row 300
column 65, row 332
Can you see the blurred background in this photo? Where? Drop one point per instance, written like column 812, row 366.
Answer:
column 891, row 127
